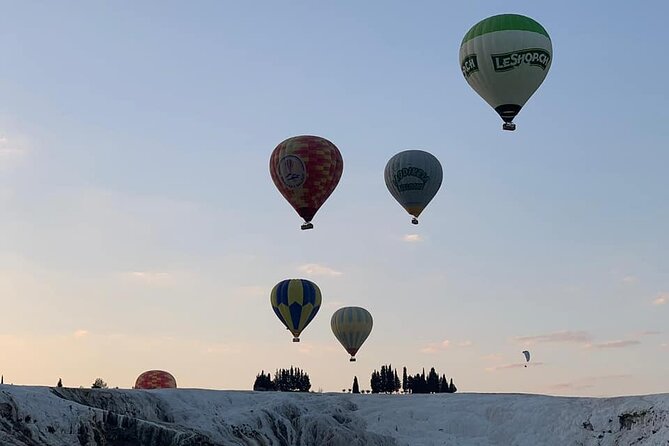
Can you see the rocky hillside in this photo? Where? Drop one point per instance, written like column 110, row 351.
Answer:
column 184, row 417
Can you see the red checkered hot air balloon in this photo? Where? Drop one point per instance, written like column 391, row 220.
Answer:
column 155, row 379
column 306, row 169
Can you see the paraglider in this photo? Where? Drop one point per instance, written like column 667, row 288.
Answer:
column 155, row 379
column 527, row 356
column 295, row 302
column 505, row 58
column 351, row 326
column 413, row 177
column 306, row 169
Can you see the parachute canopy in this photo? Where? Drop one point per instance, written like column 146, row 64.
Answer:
column 155, row 379
column 306, row 169
column 351, row 326
column 505, row 58
column 295, row 302
column 413, row 177
column 527, row 355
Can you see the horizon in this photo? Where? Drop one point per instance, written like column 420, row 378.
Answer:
column 141, row 229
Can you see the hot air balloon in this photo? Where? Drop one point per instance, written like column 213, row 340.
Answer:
column 295, row 302
column 351, row 326
column 306, row 170
column 505, row 58
column 413, row 177
column 527, row 356
column 155, row 379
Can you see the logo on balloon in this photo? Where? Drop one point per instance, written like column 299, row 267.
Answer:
column 469, row 65
column 292, row 171
column 536, row 57
column 415, row 172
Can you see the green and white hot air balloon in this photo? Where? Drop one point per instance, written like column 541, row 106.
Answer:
column 413, row 177
column 505, row 58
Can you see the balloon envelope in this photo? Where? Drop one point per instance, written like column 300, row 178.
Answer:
column 295, row 302
column 155, row 379
column 351, row 326
column 413, row 177
column 306, row 169
column 505, row 58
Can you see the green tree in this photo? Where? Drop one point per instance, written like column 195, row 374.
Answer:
column 356, row 387
column 375, row 382
column 452, row 388
column 291, row 380
column 99, row 384
column 432, row 381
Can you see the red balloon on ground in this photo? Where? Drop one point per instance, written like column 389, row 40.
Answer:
column 155, row 379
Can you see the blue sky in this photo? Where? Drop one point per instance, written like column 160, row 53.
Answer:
column 141, row 228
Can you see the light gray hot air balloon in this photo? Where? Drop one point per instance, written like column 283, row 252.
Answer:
column 505, row 58
column 413, row 177
column 351, row 326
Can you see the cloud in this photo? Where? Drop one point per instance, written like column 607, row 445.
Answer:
column 11, row 152
column 314, row 269
column 213, row 349
column 411, row 238
column 661, row 299
column 513, row 366
column 434, row 347
column 630, row 280
column 151, row 278
column 649, row 333
column 253, row 291
column 333, row 304
column 571, row 386
column 664, row 345
column 588, row 382
column 80, row 333
column 492, row 357
column 558, row 337
column 615, row 344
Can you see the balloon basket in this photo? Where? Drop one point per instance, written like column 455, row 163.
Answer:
column 296, row 339
column 307, row 226
column 509, row 126
column 352, row 359
column 414, row 221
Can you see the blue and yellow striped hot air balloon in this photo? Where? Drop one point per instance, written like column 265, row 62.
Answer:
column 295, row 302
column 351, row 326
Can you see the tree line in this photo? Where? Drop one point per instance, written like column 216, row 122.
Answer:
column 387, row 381
column 285, row 380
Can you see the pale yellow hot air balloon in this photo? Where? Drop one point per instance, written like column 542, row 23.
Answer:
column 351, row 326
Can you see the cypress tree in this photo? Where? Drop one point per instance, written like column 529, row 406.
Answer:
column 404, row 379
column 432, row 381
column 443, row 384
column 356, row 388
column 375, row 382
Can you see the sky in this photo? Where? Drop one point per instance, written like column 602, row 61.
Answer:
column 140, row 228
